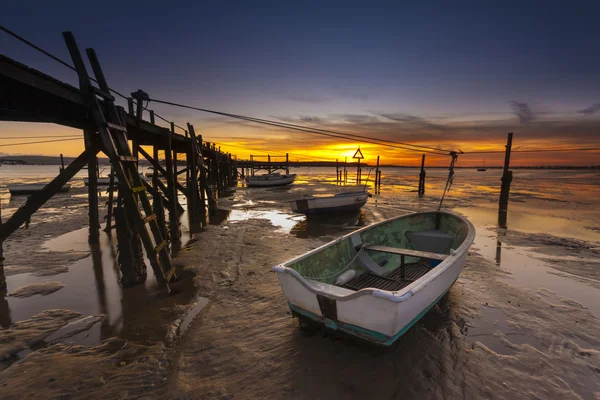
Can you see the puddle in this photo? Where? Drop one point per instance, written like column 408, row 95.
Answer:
column 285, row 222
column 92, row 287
column 527, row 270
column 192, row 313
column 561, row 226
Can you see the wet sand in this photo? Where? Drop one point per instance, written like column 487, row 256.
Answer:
column 522, row 321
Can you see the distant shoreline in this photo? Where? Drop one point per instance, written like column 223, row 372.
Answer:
column 48, row 160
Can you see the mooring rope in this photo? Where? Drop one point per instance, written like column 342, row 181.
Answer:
column 450, row 178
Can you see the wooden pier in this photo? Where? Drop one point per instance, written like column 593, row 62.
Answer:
column 28, row 95
column 266, row 163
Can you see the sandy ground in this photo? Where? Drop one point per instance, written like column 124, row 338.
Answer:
column 487, row 339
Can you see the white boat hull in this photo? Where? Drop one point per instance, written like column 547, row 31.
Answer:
column 273, row 180
column 339, row 203
column 102, row 181
column 376, row 315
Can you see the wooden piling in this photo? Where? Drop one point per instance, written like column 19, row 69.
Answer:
column 506, row 181
column 94, row 222
column 62, row 163
column 192, row 184
column 2, row 275
column 422, row 174
column 377, row 176
column 130, row 258
column 174, row 231
column 111, row 206
column 345, row 170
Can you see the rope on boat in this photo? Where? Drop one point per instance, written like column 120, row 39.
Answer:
column 340, row 272
column 450, row 177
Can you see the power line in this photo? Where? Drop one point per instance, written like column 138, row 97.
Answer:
column 337, row 135
column 38, row 142
column 38, row 137
column 533, row 150
column 66, row 64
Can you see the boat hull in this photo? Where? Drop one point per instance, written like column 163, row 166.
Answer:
column 103, row 181
column 319, row 205
column 375, row 315
column 281, row 180
column 27, row 189
column 374, row 324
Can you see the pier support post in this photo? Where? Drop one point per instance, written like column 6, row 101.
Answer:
column 422, row 177
column 287, row 164
column 171, row 187
column 2, row 276
column 131, row 257
column 195, row 204
column 506, row 181
column 203, row 184
column 377, row 177
column 345, row 170
column 94, row 222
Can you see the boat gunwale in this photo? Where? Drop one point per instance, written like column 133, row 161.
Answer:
column 267, row 176
column 332, row 196
column 395, row 296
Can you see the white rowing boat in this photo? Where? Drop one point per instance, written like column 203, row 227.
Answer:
column 375, row 283
column 274, row 179
column 340, row 202
column 102, row 181
column 31, row 188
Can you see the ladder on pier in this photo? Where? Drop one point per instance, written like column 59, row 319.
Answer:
column 113, row 134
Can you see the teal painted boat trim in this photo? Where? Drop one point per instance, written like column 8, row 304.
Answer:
column 364, row 333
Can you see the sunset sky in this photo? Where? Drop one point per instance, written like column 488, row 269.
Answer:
column 430, row 73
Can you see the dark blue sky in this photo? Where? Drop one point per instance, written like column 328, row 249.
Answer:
column 328, row 60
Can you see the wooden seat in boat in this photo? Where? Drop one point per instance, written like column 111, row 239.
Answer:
column 407, row 252
column 433, row 241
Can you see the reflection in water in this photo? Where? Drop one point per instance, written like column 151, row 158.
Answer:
column 328, row 224
column 5, row 321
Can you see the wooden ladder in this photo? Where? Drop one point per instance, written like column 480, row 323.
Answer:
column 113, row 134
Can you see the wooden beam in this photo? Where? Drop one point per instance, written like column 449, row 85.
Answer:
column 407, row 252
column 37, row 200
column 160, row 169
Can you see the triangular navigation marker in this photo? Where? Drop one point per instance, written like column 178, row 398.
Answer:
column 358, row 154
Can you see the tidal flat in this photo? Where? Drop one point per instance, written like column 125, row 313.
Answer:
column 522, row 321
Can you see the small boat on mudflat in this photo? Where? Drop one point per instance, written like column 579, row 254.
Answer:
column 378, row 281
column 274, row 179
column 31, row 188
column 102, row 181
column 340, row 202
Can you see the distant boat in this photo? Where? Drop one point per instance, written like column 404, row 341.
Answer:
column 31, row 188
column 274, row 179
column 377, row 282
column 102, row 181
column 346, row 201
column 482, row 169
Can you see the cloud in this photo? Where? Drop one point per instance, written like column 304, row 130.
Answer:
column 523, row 111
column 350, row 94
column 413, row 121
column 590, row 110
column 308, row 98
column 311, row 120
